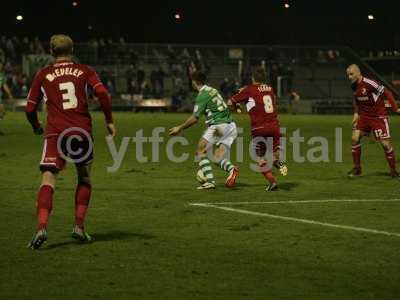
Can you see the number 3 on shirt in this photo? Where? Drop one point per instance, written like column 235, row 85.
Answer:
column 68, row 95
column 268, row 105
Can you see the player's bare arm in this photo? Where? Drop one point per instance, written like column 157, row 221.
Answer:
column 188, row 123
column 355, row 115
column 355, row 118
column 8, row 91
column 234, row 106
column 111, row 129
column 389, row 96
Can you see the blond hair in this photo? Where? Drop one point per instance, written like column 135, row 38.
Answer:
column 61, row 45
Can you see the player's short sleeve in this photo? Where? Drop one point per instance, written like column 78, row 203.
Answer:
column 241, row 96
column 93, row 79
column 200, row 105
column 35, row 94
column 374, row 87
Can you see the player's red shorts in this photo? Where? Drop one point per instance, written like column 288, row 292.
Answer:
column 378, row 125
column 264, row 138
column 57, row 150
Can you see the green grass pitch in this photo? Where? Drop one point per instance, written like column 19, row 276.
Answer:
column 151, row 244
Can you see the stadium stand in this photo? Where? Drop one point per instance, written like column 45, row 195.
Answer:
column 157, row 76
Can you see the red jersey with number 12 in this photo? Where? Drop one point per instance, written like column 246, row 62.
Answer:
column 63, row 86
column 261, row 105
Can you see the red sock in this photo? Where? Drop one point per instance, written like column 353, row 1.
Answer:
column 269, row 176
column 391, row 159
column 44, row 205
column 268, row 173
column 82, row 197
column 356, row 152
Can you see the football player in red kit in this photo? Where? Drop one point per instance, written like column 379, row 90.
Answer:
column 261, row 105
column 63, row 86
column 370, row 115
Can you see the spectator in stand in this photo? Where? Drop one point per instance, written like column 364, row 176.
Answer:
column 294, row 100
column 22, row 86
column 10, row 50
column 141, row 76
column 3, row 41
column 224, row 88
column 38, row 46
column 146, row 89
column 3, row 86
column 190, row 69
column 273, row 76
column 2, row 56
column 133, row 57
column 160, row 75
column 131, row 79
column 179, row 95
column 153, row 82
column 246, row 76
column 25, row 49
column 171, row 57
column 185, row 56
column 233, row 87
column 102, row 49
column 94, row 46
column 176, row 70
column 123, row 54
column 107, row 78
column 289, row 73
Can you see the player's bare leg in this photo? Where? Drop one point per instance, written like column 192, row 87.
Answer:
column 266, row 171
column 356, row 153
column 205, row 165
column 82, row 199
column 221, row 156
column 390, row 156
column 44, row 205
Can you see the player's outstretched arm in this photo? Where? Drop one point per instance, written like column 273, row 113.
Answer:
column 389, row 96
column 234, row 106
column 188, row 123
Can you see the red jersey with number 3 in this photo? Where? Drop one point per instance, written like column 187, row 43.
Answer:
column 63, row 87
column 260, row 104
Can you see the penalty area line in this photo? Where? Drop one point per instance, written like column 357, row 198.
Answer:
column 298, row 220
column 295, row 201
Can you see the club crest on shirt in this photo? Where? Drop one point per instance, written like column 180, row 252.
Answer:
column 50, row 77
column 364, row 91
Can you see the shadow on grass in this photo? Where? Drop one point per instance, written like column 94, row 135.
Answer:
column 103, row 237
column 288, row 186
column 377, row 174
column 133, row 170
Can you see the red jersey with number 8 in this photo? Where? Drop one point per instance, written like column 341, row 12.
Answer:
column 260, row 104
column 64, row 88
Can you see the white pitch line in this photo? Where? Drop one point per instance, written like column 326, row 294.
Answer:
column 346, row 227
column 295, row 201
